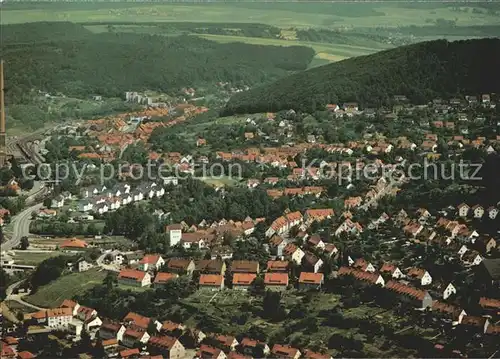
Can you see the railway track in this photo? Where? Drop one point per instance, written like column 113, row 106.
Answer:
column 25, row 147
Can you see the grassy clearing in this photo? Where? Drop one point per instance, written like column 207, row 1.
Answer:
column 67, row 286
column 33, row 258
column 339, row 51
column 328, row 52
column 134, row 289
column 219, row 182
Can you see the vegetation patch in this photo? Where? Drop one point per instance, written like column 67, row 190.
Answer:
column 65, row 287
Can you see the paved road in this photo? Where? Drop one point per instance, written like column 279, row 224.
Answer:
column 108, row 267
column 20, row 227
column 18, row 297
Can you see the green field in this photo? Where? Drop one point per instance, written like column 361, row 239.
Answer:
column 279, row 14
column 33, row 258
column 66, row 287
column 330, row 52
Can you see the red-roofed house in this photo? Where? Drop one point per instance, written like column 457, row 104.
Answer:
column 276, row 281
column 309, row 280
column 420, row 275
column 140, row 321
column 151, row 262
column 25, row 355
column 278, row 266
column 227, row 342
column 162, row 278
column 67, row 303
column 134, row 336
column 249, row 346
column 285, row 352
column 243, row 281
column 73, row 244
column 208, row 352
column 420, row 298
column 293, row 253
column 110, row 330
column 315, row 241
column 312, row 215
column 236, row 355
column 490, row 305
column 168, row 346
column 130, row 353
column 391, row 269
column 211, row 281
column 7, row 351
column 134, row 277
column 171, row 328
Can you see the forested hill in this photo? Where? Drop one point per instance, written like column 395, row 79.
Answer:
column 67, row 58
column 421, row 71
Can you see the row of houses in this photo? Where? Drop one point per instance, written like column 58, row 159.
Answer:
column 422, row 299
column 477, row 211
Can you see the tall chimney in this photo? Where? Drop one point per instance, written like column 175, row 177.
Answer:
column 3, row 144
column 2, row 101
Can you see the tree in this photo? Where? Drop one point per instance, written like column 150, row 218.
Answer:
column 272, row 308
column 4, row 282
column 110, row 281
column 47, row 202
column 25, row 243
column 48, row 270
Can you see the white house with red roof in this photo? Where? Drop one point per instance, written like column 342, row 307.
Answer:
column 151, row 262
column 294, row 253
column 391, row 269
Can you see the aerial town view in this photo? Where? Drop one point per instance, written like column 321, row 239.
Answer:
column 249, row 179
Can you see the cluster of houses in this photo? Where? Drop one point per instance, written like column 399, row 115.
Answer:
column 137, row 336
column 414, row 286
column 100, row 200
column 466, row 244
column 212, row 272
column 113, row 135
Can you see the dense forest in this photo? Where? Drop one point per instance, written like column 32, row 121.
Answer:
column 421, row 72
column 67, row 58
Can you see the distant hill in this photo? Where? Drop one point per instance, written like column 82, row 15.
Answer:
column 67, row 58
column 42, row 31
column 421, row 71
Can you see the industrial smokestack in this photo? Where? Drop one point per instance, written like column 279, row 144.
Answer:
column 2, row 103
column 3, row 142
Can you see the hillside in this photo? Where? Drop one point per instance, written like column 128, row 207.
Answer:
column 67, row 58
column 421, row 72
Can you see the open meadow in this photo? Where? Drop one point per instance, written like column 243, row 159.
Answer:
column 300, row 15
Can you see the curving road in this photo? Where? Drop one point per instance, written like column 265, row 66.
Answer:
column 21, row 227
column 18, row 297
